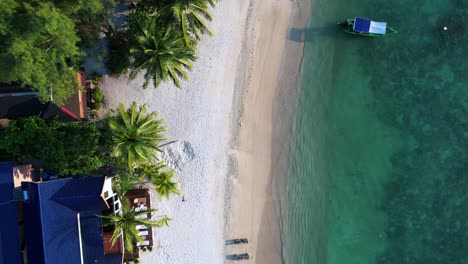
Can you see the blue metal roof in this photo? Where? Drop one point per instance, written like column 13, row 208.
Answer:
column 91, row 235
column 9, row 234
column 111, row 259
column 82, row 194
column 51, row 229
column 56, row 225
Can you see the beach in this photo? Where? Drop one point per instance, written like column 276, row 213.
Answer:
column 222, row 121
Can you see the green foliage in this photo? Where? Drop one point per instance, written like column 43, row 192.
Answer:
column 159, row 176
column 126, row 223
column 96, row 78
column 68, row 148
column 162, row 54
column 90, row 16
column 144, row 171
column 118, row 62
column 135, row 134
column 188, row 16
column 24, row 136
column 39, row 45
column 39, row 42
column 123, row 183
column 98, row 98
column 164, row 184
column 8, row 11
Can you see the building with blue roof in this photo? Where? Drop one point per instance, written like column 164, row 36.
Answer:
column 64, row 216
column 10, row 248
column 61, row 220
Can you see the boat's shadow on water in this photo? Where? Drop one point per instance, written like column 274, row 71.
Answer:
column 311, row 34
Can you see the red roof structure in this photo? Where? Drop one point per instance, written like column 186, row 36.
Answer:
column 108, row 247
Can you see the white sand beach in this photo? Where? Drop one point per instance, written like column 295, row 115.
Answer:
column 221, row 119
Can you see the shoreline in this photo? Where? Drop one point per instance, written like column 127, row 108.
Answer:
column 227, row 108
column 261, row 120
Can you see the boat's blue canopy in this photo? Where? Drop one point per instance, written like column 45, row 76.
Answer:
column 365, row 25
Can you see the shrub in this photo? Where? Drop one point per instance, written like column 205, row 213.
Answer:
column 118, row 62
column 96, row 78
column 98, row 98
column 68, row 148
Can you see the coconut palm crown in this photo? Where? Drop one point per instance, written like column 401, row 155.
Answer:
column 126, row 223
column 162, row 53
column 191, row 16
column 135, row 134
column 144, row 171
column 164, row 184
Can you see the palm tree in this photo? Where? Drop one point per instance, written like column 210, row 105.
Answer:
column 190, row 16
column 161, row 178
column 162, row 53
column 126, row 222
column 164, row 185
column 146, row 170
column 135, row 134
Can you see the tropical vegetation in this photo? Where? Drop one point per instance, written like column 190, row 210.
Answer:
column 65, row 148
column 161, row 178
column 135, row 133
column 191, row 17
column 164, row 184
column 127, row 220
column 41, row 39
column 163, row 36
column 41, row 47
column 162, row 54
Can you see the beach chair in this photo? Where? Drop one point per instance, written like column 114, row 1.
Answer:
column 141, row 227
column 144, row 243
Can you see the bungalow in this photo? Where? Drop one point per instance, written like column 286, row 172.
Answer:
column 59, row 218
column 18, row 101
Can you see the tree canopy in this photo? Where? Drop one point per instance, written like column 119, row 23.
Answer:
column 161, row 53
column 135, row 133
column 39, row 46
column 66, row 148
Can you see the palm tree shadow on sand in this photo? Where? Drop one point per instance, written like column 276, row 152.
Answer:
column 311, row 34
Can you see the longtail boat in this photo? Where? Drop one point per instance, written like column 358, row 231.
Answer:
column 366, row 27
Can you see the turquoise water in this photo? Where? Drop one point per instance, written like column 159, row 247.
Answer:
column 379, row 156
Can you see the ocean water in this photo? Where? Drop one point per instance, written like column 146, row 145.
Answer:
column 379, row 156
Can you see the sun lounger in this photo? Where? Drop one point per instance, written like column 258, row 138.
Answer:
column 241, row 241
column 141, row 216
column 144, row 243
column 143, row 233
column 241, row 256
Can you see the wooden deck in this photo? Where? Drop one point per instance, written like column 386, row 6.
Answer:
column 139, row 200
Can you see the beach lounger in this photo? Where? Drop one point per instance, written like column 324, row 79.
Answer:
column 144, row 243
column 241, row 241
column 141, row 227
column 142, row 216
column 241, row 256
column 143, row 233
